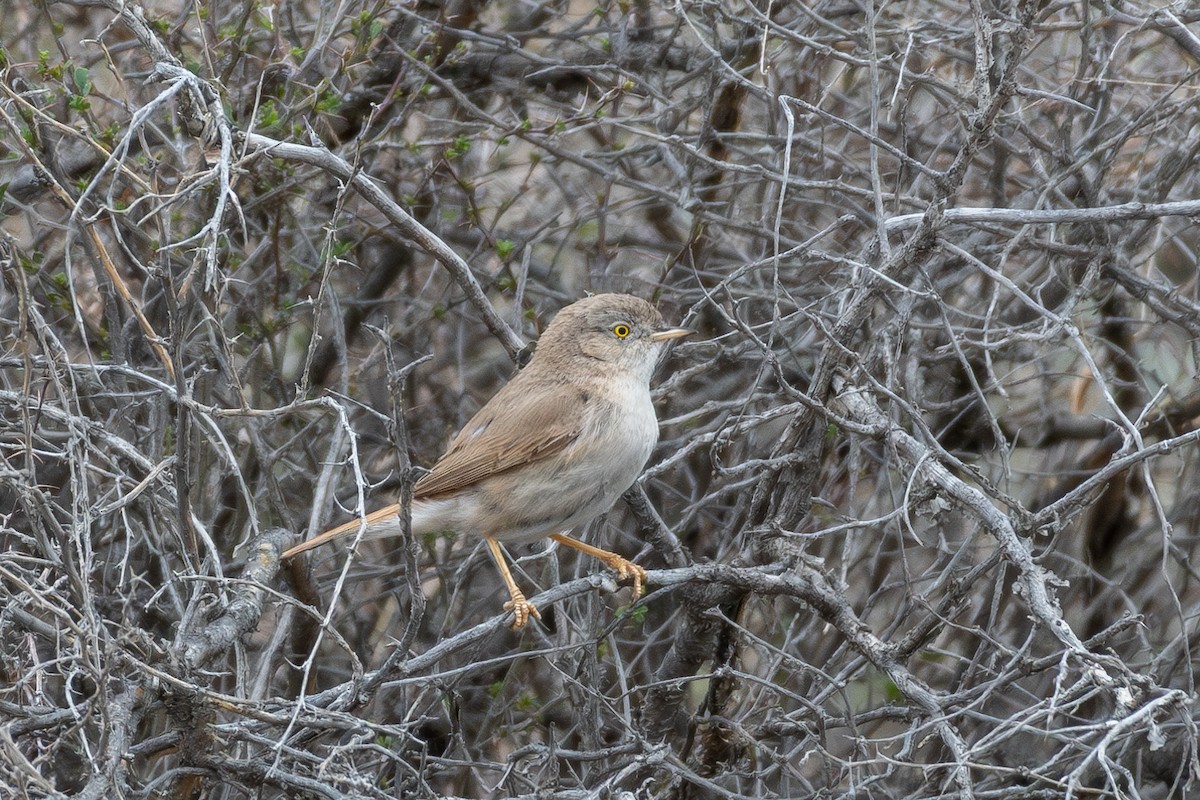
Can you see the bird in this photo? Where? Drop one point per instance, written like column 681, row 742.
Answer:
column 552, row 449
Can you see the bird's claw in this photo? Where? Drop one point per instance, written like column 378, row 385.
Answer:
column 627, row 570
column 522, row 610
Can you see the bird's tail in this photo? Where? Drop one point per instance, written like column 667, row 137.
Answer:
column 384, row 522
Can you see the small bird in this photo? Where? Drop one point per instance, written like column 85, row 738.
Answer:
column 555, row 447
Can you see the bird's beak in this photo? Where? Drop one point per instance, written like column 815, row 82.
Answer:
column 670, row 333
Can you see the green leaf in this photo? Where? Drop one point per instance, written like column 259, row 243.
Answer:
column 83, row 81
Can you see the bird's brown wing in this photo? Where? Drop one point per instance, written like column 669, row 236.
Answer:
column 514, row 428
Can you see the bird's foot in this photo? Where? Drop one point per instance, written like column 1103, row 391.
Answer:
column 522, row 610
column 627, row 570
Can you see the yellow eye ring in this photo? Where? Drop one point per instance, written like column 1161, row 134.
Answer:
column 620, row 330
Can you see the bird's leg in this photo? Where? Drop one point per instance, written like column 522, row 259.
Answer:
column 623, row 566
column 522, row 609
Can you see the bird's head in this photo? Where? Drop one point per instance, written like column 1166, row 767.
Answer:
column 618, row 330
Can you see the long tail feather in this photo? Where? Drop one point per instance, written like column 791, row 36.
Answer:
column 385, row 520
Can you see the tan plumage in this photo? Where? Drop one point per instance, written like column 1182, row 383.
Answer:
column 553, row 448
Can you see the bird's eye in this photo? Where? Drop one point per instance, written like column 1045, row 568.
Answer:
column 620, row 330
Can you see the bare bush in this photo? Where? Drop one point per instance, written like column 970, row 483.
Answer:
column 923, row 520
